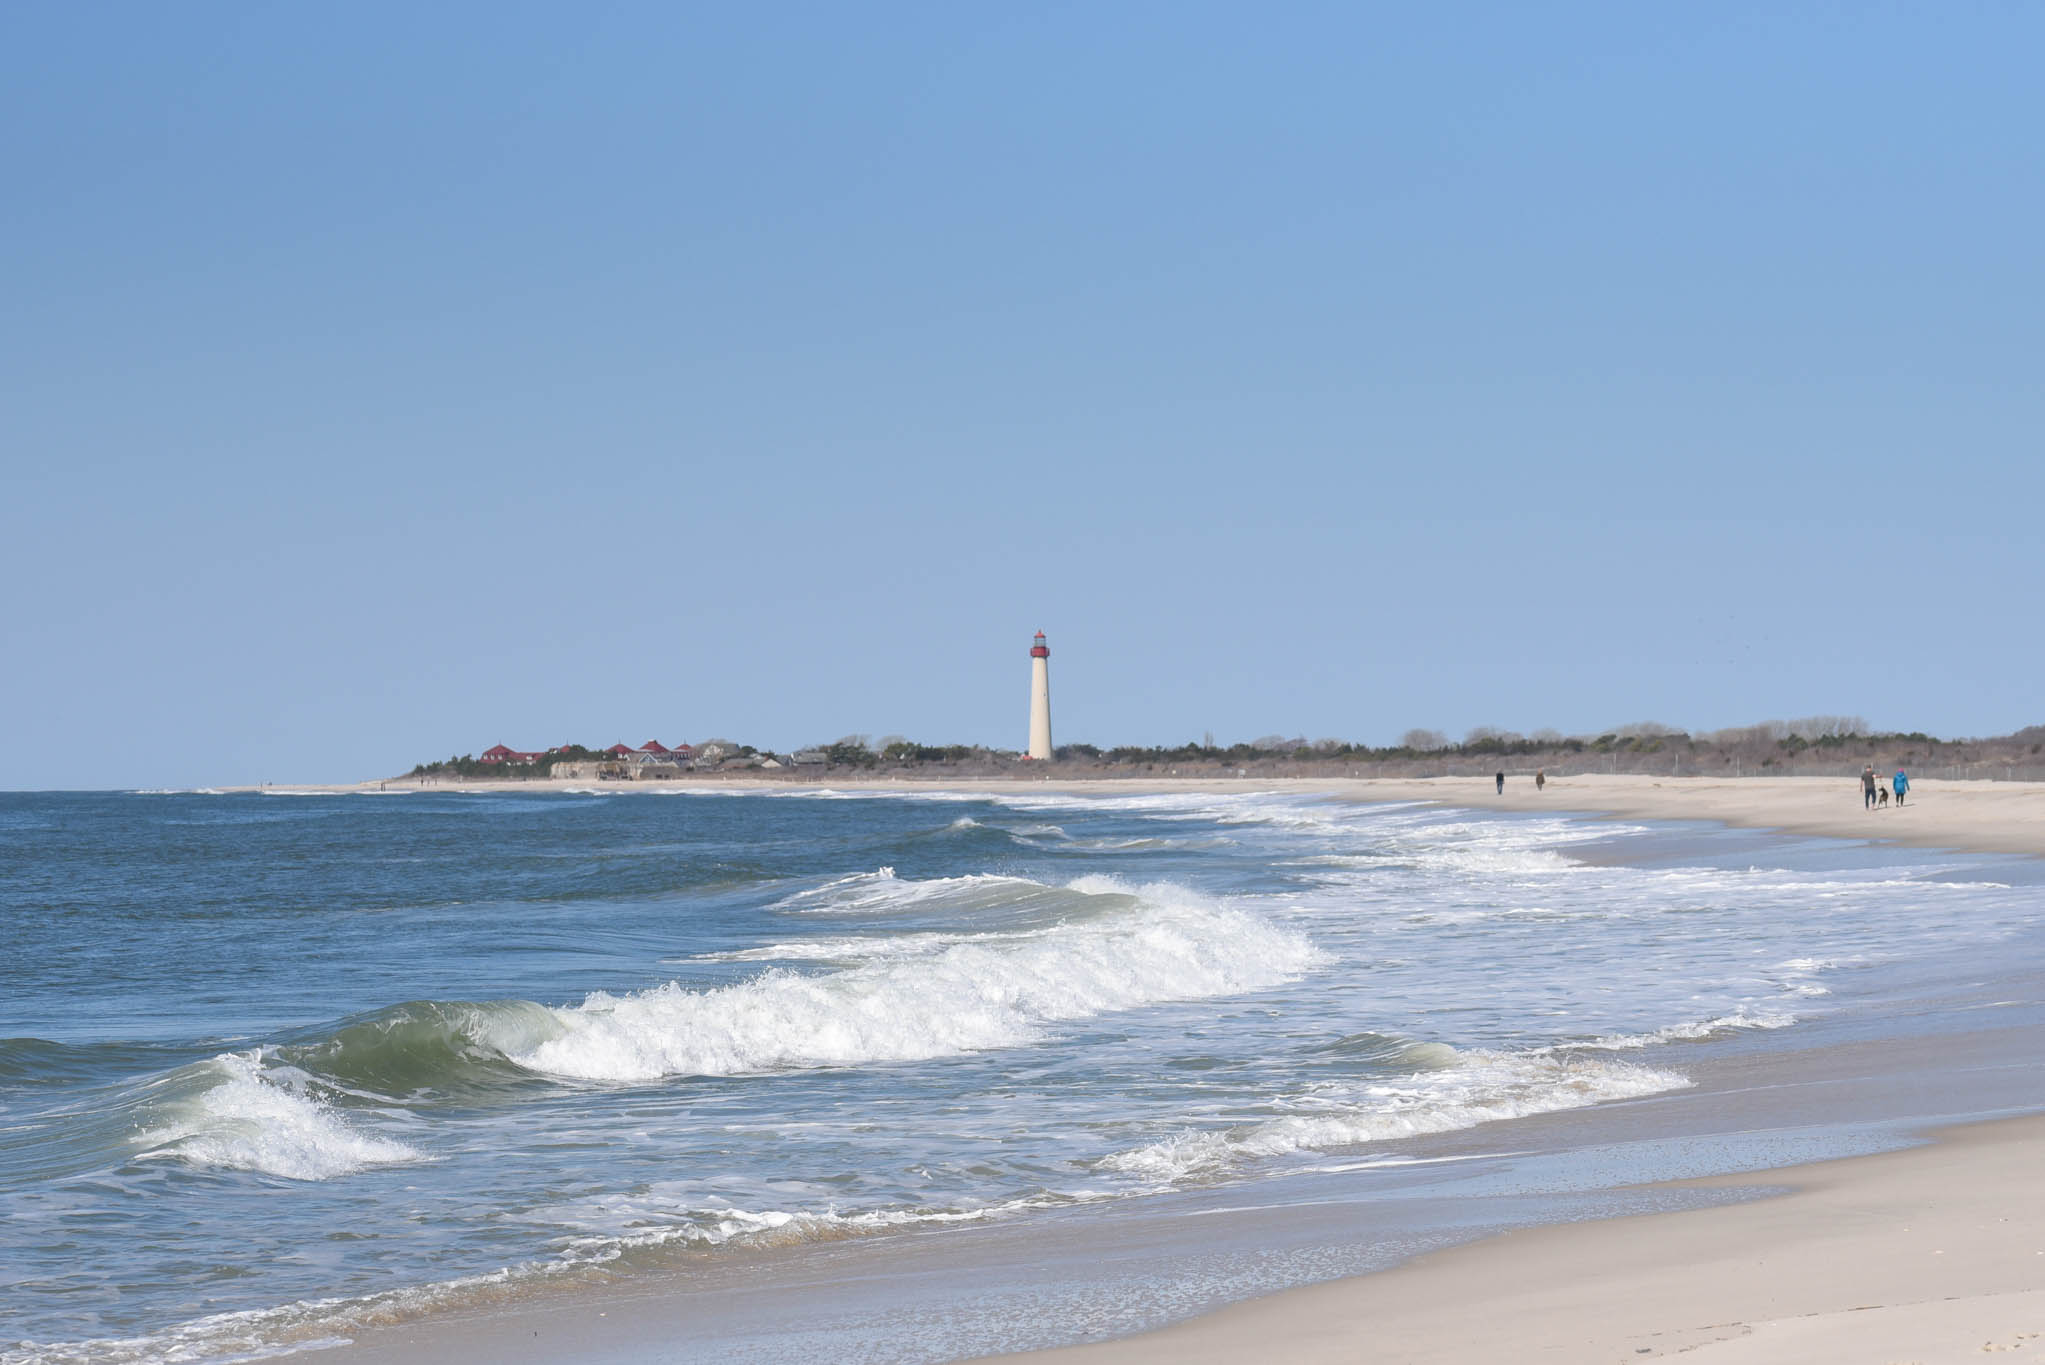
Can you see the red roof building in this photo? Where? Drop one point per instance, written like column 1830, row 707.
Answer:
column 619, row 749
column 654, row 746
column 496, row 753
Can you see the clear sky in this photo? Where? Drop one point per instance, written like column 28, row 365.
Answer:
column 380, row 382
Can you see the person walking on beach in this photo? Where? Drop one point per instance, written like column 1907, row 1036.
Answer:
column 1501, row 784
column 1901, row 785
column 1867, row 786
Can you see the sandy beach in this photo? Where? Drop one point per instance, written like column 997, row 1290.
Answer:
column 1932, row 1256
column 1980, row 816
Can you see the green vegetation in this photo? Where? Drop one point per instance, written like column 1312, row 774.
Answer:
column 1814, row 745
column 469, row 766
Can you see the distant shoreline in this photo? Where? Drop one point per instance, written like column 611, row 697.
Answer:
column 1974, row 814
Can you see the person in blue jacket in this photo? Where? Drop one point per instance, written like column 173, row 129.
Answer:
column 1901, row 785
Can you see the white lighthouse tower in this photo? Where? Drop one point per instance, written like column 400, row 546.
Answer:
column 1040, row 699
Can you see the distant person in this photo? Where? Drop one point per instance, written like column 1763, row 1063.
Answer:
column 1867, row 787
column 1501, row 784
column 1901, row 785
column 1540, row 778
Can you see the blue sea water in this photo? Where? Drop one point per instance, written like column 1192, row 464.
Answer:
column 274, row 1068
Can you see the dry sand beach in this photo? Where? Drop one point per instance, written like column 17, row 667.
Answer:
column 1934, row 1253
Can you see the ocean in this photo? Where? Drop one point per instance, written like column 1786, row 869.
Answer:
column 277, row 1070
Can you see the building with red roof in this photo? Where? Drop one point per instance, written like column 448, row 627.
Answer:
column 498, row 753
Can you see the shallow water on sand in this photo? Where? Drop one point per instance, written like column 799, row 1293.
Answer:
column 272, row 1069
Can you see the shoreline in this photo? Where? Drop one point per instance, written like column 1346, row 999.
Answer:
column 1977, row 815
column 1926, row 1255
column 1913, row 1254
column 1922, row 1254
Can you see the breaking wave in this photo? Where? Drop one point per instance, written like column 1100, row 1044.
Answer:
column 1121, row 948
column 250, row 1118
column 1093, row 948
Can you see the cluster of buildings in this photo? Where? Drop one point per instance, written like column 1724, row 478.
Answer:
column 651, row 759
column 652, row 751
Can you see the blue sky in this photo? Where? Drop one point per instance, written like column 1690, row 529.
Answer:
column 384, row 382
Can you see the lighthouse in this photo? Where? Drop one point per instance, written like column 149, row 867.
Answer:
column 1040, row 699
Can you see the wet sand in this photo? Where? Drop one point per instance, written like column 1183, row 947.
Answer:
column 1931, row 1255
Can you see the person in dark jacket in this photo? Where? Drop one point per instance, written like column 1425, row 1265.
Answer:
column 1501, row 784
column 1867, row 786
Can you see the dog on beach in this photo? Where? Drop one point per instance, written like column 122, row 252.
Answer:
column 1881, row 796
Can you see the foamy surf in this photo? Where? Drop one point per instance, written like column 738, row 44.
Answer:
column 1692, row 1031
column 1139, row 947
column 244, row 1117
column 1474, row 1088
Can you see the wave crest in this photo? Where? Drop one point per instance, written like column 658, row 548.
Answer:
column 1140, row 947
column 251, row 1119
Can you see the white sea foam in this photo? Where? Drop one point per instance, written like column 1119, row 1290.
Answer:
column 1146, row 946
column 852, row 948
column 1483, row 1087
column 1688, row 1032
column 251, row 1119
column 613, row 1226
column 881, row 890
